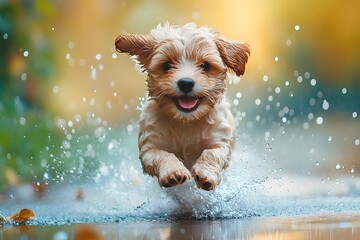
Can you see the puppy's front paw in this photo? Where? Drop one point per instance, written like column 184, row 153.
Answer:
column 174, row 176
column 205, row 178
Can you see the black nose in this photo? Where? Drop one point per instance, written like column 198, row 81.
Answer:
column 186, row 84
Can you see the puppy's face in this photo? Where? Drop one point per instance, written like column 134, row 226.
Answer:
column 186, row 67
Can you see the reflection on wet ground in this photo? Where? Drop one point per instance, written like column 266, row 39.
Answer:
column 325, row 226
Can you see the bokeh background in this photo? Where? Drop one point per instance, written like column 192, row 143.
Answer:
column 68, row 100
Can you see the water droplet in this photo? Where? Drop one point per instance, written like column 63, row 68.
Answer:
column 265, row 78
column 93, row 73
column 354, row 114
column 270, row 149
column 329, row 138
column 130, row 128
column 70, row 123
column 352, row 170
column 22, row 121
column 276, row 59
column 92, row 101
column 238, row 94
column 357, row 142
column 71, row 44
column 104, row 170
column 344, row 91
column 108, row 104
column 310, row 116
column 98, row 56
column 5, row 36
column 287, row 83
column 66, row 144
column 325, row 105
column 114, row 55
column 26, row 53
column 56, row 89
column 337, row 166
column 312, row 101
column 257, row 101
column 319, row 120
column 313, row 82
column 317, row 163
column 320, row 94
column 306, row 125
column 299, row 79
column 23, row 76
column 267, row 144
column 297, row 27
column 67, row 56
column 277, row 90
column 52, row 28
column 288, row 42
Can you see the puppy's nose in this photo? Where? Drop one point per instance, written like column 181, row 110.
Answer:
column 186, row 84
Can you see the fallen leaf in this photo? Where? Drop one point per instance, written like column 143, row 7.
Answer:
column 20, row 217
column 86, row 232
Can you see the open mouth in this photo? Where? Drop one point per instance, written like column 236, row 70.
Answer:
column 187, row 103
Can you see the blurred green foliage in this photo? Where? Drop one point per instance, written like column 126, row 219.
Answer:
column 27, row 65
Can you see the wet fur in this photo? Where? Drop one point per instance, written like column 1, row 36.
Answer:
column 175, row 145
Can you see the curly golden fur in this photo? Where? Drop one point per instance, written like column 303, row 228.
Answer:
column 186, row 126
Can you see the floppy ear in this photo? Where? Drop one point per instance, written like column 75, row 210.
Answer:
column 234, row 54
column 135, row 45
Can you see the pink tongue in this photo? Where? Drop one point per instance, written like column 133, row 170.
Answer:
column 188, row 102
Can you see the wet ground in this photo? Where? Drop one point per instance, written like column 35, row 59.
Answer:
column 324, row 226
column 291, row 207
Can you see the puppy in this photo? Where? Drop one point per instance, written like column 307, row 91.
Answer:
column 186, row 127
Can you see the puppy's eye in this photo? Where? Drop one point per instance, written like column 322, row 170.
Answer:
column 205, row 66
column 166, row 66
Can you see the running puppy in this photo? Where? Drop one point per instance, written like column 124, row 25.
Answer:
column 186, row 127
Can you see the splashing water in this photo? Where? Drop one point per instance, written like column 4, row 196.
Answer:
column 289, row 158
column 257, row 183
